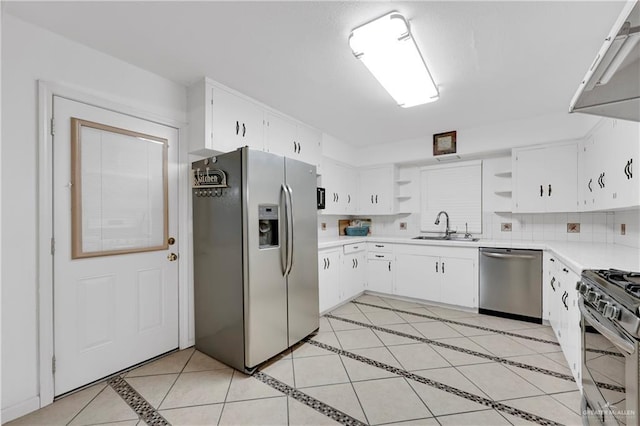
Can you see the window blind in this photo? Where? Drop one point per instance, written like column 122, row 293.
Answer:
column 456, row 189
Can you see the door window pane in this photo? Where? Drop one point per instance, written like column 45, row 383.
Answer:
column 119, row 197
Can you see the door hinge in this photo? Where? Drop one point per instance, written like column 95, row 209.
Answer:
column 53, row 364
column 53, row 126
column 53, row 246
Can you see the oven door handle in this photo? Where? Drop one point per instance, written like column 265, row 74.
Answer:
column 614, row 337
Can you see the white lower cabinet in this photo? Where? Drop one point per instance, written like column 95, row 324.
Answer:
column 380, row 271
column 329, row 278
column 561, row 298
column 353, row 272
column 437, row 274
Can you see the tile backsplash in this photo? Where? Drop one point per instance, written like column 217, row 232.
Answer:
column 601, row 227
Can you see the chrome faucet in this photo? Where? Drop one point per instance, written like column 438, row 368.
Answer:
column 437, row 222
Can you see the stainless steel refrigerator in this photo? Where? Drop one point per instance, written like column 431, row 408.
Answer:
column 255, row 255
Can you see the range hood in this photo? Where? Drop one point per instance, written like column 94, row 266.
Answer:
column 611, row 87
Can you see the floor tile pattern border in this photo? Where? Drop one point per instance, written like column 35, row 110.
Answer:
column 480, row 327
column 309, row 401
column 137, row 402
column 475, row 353
column 441, row 386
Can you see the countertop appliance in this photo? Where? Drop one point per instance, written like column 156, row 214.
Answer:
column 611, row 87
column 511, row 283
column 255, row 255
column 609, row 303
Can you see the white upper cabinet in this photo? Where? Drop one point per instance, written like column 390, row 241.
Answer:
column 607, row 158
column 221, row 120
column 236, row 122
column 545, row 179
column 290, row 139
column 309, row 145
column 376, row 190
column 340, row 184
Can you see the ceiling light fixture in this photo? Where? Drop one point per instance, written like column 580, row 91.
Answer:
column 388, row 49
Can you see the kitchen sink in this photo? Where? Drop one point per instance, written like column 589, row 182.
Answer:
column 452, row 237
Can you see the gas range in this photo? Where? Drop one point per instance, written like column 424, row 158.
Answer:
column 615, row 294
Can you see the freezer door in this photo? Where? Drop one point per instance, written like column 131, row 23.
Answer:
column 303, row 275
column 265, row 287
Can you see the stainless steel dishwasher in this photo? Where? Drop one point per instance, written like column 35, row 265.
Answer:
column 511, row 283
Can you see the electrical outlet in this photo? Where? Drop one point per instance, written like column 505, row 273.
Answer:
column 506, row 227
column 323, row 226
column 573, row 228
column 403, row 226
column 623, row 229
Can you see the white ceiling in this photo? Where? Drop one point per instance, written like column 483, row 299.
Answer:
column 493, row 61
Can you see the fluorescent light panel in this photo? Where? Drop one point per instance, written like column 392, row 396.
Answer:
column 388, row 50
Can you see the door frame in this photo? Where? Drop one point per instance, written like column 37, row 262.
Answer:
column 46, row 91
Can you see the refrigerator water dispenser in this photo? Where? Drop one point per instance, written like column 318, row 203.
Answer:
column 268, row 226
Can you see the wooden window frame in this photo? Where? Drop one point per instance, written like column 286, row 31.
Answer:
column 76, row 186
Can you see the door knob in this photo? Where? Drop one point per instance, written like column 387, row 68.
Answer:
column 172, row 257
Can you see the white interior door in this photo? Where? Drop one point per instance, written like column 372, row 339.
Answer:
column 115, row 281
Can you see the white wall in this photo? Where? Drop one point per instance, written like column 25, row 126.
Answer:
column 30, row 53
column 485, row 139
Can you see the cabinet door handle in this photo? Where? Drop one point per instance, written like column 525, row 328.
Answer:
column 549, row 190
column 631, row 169
column 338, row 197
column 389, row 265
column 553, row 280
column 379, row 255
column 356, row 262
column 443, row 267
column 589, row 185
column 244, row 130
column 294, row 146
column 603, row 184
column 541, row 191
column 372, row 199
column 325, row 263
column 348, row 198
column 565, row 270
column 353, row 263
column 626, row 170
column 328, row 263
column 436, row 266
column 237, row 127
column 298, row 147
column 376, row 199
column 379, row 245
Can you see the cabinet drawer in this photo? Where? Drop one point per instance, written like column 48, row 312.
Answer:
column 354, row 248
column 379, row 256
column 383, row 247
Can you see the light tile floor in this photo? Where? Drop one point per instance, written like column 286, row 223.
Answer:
column 370, row 365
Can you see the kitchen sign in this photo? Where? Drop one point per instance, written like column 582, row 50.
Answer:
column 209, row 178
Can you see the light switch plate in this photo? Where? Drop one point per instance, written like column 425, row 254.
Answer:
column 573, row 228
column 506, row 227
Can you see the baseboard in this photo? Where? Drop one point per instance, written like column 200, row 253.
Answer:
column 20, row 409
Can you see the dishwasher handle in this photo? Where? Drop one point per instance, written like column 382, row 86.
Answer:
column 508, row 255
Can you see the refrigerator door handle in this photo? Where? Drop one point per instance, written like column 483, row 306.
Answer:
column 291, row 226
column 288, row 217
column 284, row 255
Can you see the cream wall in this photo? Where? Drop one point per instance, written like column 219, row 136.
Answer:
column 30, row 54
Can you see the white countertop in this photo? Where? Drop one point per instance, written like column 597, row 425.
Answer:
column 577, row 256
